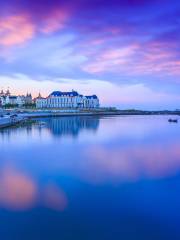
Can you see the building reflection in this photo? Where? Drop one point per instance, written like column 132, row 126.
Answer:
column 61, row 126
column 72, row 125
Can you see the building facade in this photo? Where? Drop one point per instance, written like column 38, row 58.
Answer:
column 7, row 99
column 71, row 99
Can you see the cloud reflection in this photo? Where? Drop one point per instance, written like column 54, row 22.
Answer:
column 17, row 191
column 131, row 163
column 124, row 149
column 55, row 198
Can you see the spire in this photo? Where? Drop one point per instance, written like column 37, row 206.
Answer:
column 8, row 92
column 2, row 93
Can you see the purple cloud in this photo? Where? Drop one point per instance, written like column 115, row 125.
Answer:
column 117, row 41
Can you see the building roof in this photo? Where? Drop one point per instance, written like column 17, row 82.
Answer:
column 12, row 97
column 93, row 96
column 59, row 94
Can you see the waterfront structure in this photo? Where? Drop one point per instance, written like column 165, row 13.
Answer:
column 7, row 99
column 73, row 99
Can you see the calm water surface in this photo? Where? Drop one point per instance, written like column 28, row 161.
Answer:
column 91, row 178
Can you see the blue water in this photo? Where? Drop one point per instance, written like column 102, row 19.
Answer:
column 91, row 178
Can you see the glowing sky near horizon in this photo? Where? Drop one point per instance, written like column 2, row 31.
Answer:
column 125, row 51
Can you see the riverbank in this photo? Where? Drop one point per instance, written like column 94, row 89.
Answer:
column 95, row 112
column 20, row 115
column 8, row 121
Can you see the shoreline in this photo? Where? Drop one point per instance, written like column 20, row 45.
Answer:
column 99, row 112
column 30, row 114
column 10, row 122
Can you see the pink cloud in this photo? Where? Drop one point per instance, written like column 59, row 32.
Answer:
column 119, row 53
column 157, row 61
column 56, row 20
column 16, row 29
column 134, row 59
column 156, row 57
column 110, row 60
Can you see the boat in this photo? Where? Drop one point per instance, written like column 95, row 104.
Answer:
column 173, row 120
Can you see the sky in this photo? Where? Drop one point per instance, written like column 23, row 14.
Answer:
column 125, row 51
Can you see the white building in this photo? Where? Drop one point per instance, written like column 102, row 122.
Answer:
column 72, row 99
column 6, row 98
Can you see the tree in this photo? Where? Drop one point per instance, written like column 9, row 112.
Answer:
column 10, row 105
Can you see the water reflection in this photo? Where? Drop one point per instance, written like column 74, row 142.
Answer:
column 131, row 163
column 64, row 126
column 115, row 179
column 54, row 198
column 71, row 125
column 17, row 191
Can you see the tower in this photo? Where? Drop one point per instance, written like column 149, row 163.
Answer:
column 8, row 92
column 39, row 96
column 2, row 93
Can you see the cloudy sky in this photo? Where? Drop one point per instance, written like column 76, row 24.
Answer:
column 125, row 51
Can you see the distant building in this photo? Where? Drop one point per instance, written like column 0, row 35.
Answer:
column 71, row 99
column 6, row 98
column 28, row 98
